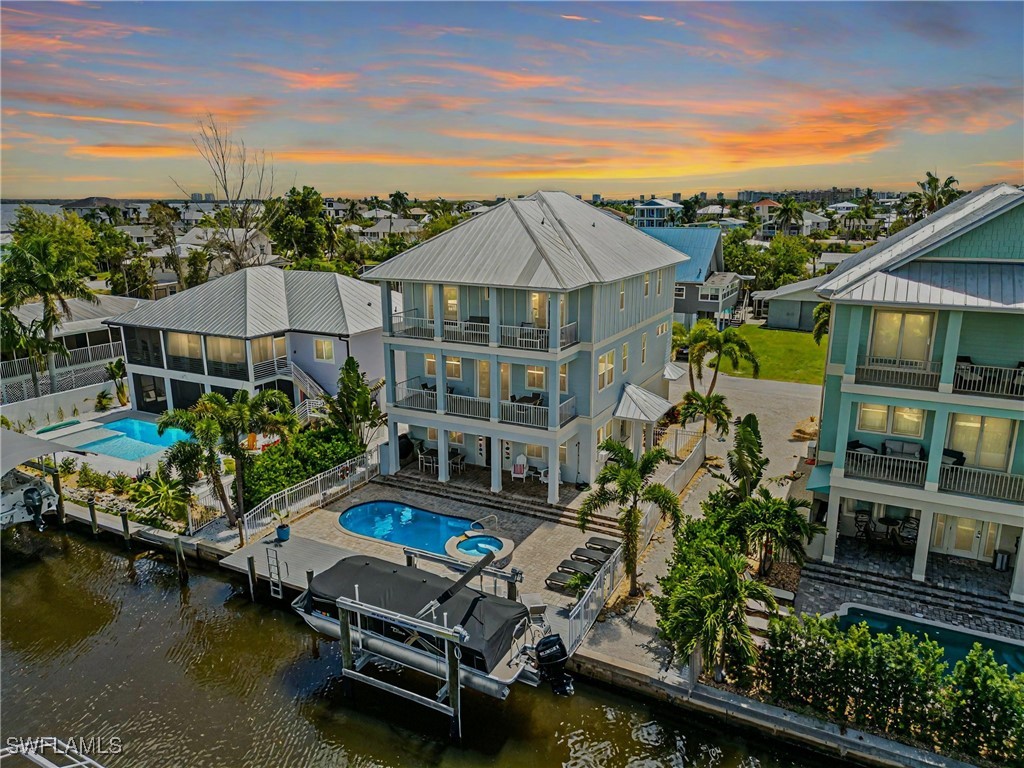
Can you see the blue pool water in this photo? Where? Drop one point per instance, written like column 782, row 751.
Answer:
column 479, row 545
column 956, row 644
column 402, row 524
column 137, row 439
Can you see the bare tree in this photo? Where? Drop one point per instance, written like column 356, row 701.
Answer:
column 243, row 180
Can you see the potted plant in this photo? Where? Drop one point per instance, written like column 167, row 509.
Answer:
column 284, row 531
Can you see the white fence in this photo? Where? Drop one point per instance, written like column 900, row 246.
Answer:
column 316, row 491
column 204, row 510
column 68, row 379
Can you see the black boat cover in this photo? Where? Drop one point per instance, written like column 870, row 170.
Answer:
column 490, row 620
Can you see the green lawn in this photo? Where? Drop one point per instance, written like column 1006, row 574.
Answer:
column 784, row 355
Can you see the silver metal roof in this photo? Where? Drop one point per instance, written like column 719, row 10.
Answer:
column 17, row 448
column 260, row 301
column 637, row 404
column 85, row 315
column 994, row 286
column 790, row 289
column 673, row 372
column 547, row 241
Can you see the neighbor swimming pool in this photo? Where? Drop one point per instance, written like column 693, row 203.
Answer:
column 955, row 642
column 136, row 439
column 401, row 524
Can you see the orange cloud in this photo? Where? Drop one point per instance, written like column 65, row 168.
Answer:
column 132, row 151
column 532, row 139
column 91, row 179
column 37, row 42
column 238, row 107
column 300, row 80
column 75, row 26
column 506, row 79
column 574, row 17
column 422, row 102
column 106, row 120
column 36, row 138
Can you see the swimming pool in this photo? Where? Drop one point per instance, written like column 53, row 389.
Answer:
column 401, row 524
column 136, row 439
column 956, row 643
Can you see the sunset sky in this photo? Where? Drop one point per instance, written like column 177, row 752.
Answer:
column 482, row 99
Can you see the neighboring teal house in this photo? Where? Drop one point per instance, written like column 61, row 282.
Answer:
column 921, row 437
column 538, row 330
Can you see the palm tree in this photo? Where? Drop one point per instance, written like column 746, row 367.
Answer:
column 822, row 320
column 206, row 436
column 680, row 338
column 117, row 372
column 708, row 611
column 164, row 495
column 354, row 409
column 708, row 407
column 701, row 331
column 746, row 461
column 788, row 213
column 29, row 341
column 774, row 527
column 36, row 270
column 399, row 201
column 627, row 482
column 933, row 194
column 729, row 344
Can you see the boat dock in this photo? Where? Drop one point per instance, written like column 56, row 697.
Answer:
column 294, row 557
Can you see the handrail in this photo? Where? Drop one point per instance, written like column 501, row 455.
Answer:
column 480, row 521
column 307, row 382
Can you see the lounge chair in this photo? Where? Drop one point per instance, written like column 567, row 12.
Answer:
column 603, row 545
column 519, row 468
column 575, row 566
column 590, row 556
column 557, row 580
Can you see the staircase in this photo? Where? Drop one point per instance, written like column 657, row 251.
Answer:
column 503, row 502
column 988, row 604
column 312, row 407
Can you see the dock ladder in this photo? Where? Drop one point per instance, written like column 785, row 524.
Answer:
column 274, row 572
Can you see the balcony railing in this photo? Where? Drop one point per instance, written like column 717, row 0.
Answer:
column 566, row 411
column 268, row 368
column 471, row 407
column 970, row 481
column 524, row 414
column 888, row 469
column 411, row 325
column 569, row 335
column 411, row 394
column 187, row 364
column 96, row 354
column 144, row 354
column 891, row 371
column 466, row 332
column 991, row 380
column 522, row 337
column 227, row 370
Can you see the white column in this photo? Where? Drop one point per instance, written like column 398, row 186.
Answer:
column 832, row 528
column 441, row 379
column 553, row 394
column 385, row 307
column 168, row 395
column 438, row 312
column 1017, row 585
column 393, row 457
column 924, row 538
column 554, row 473
column 442, row 455
column 554, row 321
column 495, row 464
column 494, row 372
column 649, row 435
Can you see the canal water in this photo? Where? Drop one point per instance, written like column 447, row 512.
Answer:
column 99, row 645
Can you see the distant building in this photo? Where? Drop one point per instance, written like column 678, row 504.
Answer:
column 790, row 307
column 196, row 197
column 811, row 222
column 95, row 205
column 406, row 228
column 765, row 207
column 677, row 197
column 654, row 213
column 208, row 197
column 595, row 198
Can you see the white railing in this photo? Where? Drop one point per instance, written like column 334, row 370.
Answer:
column 466, row 332
column 891, row 371
column 306, row 382
column 989, row 380
column 971, row 481
column 567, row 410
column 522, row 338
column 100, row 353
column 471, row 407
column 890, row 469
column 68, row 379
column 410, row 323
column 316, row 491
column 204, row 509
column 569, row 335
column 524, row 414
column 411, row 394
column 309, row 409
column 267, row 368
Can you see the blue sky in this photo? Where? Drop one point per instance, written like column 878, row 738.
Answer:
column 479, row 99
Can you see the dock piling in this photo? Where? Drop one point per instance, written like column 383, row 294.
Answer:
column 241, row 532
column 92, row 515
column 452, row 652
column 347, row 660
column 250, row 563
column 61, row 517
column 126, row 531
column 179, row 555
column 309, row 589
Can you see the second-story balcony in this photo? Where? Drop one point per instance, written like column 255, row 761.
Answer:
column 227, row 370
column 98, row 353
column 144, row 352
column 971, row 481
column 989, row 380
column 186, row 364
column 891, row 371
column 477, row 330
column 421, row 395
column 888, row 469
column 265, row 369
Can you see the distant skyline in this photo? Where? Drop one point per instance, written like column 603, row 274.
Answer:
column 482, row 99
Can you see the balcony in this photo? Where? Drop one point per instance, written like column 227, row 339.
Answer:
column 187, row 364
column 266, row 369
column 227, row 370
column 467, row 406
column 416, row 394
column 411, row 324
column 893, row 372
column 969, row 481
column 143, row 353
column 100, row 353
column 532, row 415
column 477, row 330
column 887, row 469
column 473, row 331
column 989, row 380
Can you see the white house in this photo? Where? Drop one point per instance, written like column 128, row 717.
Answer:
column 407, row 228
column 654, row 213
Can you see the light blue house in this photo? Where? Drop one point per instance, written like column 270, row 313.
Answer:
column 921, row 436
column 538, row 330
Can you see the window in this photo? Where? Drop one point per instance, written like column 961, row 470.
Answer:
column 984, row 440
column 539, row 309
column 643, row 349
column 323, row 349
column 535, row 375
column 430, row 365
column 708, row 294
column 428, row 292
column 451, row 302
column 604, row 432
column 647, row 284
column 453, row 367
column 563, row 454
column 625, row 357
column 901, row 335
column 432, row 434
column 622, row 294
column 534, row 451
column 872, row 417
column 563, row 377
column 267, row 348
column 659, row 283
column 185, row 345
column 897, row 420
column 680, row 291
column 455, row 438
column 662, row 328
column 908, row 422
column 606, row 369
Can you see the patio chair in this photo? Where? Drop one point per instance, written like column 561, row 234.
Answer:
column 575, row 566
column 557, row 580
column 585, row 555
column 519, row 470
column 907, row 535
column 602, row 544
column 965, row 376
column 863, row 523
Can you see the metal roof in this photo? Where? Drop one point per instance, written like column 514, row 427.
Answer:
column 637, row 404
column 995, row 286
column 260, row 301
column 699, row 243
column 788, row 291
column 85, row 315
column 397, row 226
column 923, row 236
column 17, row 448
column 547, row 241
column 721, row 279
column 673, row 372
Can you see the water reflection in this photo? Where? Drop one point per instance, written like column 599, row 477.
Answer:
column 96, row 643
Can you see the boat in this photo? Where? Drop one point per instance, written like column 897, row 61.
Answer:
column 25, row 499
column 406, row 615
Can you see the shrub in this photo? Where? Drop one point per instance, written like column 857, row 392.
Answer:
column 68, row 466
column 229, row 465
column 103, row 401
column 286, row 464
column 88, row 478
column 121, row 483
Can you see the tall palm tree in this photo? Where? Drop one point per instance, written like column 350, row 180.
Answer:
column 822, row 320
column 787, row 214
column 206, row 435
column 399, row 202
column 117, row 372
column 774, row 527
column 628, row 482
column 707, row 407
column 36, row 270
column 933, row 194
column 708, row 610
column 730, row 345
column 746, row 461
column 701, row 331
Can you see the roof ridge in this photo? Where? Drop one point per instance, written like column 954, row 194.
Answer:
column 536, row 241
column 566, row 233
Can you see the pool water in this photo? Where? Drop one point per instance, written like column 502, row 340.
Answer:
column 404, row 525
column 137, row 439
column 956, row 644
column 479, row 545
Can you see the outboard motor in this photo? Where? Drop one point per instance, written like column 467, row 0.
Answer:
column 551, row 659
column 34, row 504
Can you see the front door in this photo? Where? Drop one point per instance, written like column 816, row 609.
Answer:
column 959, row 536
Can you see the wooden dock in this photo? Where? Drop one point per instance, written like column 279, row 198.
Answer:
column 295, row 557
